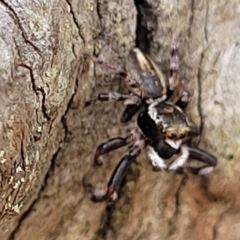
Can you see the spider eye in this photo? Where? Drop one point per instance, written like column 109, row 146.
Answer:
column 182, row 135
column 172, row 135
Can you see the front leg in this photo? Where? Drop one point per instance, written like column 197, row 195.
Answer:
column 205, row 157
column 157, row 162
column 181, row 160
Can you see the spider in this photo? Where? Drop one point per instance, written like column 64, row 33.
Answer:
column 155, row 121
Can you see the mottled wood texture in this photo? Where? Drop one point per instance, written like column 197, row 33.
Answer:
column 47, row 137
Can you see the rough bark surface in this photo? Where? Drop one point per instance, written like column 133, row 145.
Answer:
column 47, row 137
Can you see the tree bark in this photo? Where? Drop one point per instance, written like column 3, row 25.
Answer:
column 48, row 137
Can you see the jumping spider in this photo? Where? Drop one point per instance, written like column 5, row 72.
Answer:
column 160, row 124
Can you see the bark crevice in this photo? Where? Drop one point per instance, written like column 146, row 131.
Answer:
column 17, row 21
column 36, row 90
column 76, row 21
column 199, row 93
column 171, row 223
column 191, row 18
column 220, row 217
column 146, row 19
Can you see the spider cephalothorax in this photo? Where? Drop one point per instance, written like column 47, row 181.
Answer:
column 167, row 129
column 160, row 126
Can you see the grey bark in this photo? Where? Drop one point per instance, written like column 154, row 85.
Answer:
column 48, row 137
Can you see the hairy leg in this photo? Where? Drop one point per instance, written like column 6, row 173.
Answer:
column 179, row 96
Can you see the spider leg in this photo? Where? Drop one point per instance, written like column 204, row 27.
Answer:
column 121, row 170
column 132, row 101
column 181, row 160
column 174, row 79
column 194, row 131
column 117, row 177
column 156, row 161
column 184, row 98
column 129, row 80
column 202, row 156
column 108, row 146
column 129, row 112
column 115, row 96
column 115, row 143
column 180, row 96
column 193, row 136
